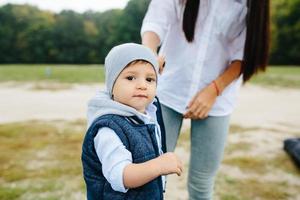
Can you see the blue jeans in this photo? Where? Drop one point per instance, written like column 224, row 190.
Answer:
column 208, row 138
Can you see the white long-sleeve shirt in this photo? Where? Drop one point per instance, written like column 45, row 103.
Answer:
column 219, row 39
column 114, row 156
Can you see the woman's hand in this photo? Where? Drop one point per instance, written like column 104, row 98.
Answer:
column 151, row 40
column 201, row 103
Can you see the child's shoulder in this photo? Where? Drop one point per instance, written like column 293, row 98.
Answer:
column 111, row 117
column 119, row 119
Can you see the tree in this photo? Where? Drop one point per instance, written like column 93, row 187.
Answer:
column 286, row 40
column 130, row 25
column 30, row 35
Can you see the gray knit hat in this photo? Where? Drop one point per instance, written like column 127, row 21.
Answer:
column 120, row 56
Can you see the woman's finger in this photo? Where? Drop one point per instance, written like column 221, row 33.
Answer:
column 199, row 110
column 193, row 100
column 203, row 113
column 189, row 112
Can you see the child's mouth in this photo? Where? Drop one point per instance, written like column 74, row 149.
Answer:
column 140, row 96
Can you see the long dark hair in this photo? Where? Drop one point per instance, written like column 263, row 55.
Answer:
column 256, row 51
column 189, row 18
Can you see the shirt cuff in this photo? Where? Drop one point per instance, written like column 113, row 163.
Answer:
column 236, row 47
column 116, row 179
column 154, row 27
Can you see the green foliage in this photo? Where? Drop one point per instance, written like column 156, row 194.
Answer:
column 286, row 32
column 132, row 19
column 23, row 30
column 30, row 35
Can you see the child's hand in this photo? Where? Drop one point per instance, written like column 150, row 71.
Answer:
column 169, row 163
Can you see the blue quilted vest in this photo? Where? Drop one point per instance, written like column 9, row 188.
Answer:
column 139, row 139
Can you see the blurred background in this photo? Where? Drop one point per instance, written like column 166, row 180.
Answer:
column 43, row 32
column 51, row 63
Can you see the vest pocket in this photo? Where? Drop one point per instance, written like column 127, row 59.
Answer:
column 135, row 194
column 148, row 191
column 94, row 188
column 108, row 193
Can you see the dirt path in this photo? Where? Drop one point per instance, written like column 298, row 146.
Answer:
column 26, row 102
column 257, row 106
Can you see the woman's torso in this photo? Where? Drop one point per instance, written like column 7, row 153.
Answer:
column 219, row 38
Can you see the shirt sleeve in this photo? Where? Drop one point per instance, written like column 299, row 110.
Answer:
column 114, row 157
column 159, row 16
column 236, row 46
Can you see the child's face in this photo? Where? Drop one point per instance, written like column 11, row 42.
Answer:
column 136, row 86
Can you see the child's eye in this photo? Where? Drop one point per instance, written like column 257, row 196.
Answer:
column 130, row 78
column 150, row 79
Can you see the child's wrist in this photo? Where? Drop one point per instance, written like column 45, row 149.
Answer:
column 156, row 166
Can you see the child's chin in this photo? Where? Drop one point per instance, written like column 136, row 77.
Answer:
column 140, row 109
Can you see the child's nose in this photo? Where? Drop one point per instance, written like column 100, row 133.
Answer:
column 142, row 84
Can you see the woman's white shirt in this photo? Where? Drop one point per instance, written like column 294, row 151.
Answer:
column 219, row 39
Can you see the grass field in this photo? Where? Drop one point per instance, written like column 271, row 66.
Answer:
column 53, row 73
column 41, row 160
column 281, row 76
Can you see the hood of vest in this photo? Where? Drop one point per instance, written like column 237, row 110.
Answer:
column 101, row 104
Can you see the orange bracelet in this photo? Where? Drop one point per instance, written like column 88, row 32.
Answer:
column 216, row 87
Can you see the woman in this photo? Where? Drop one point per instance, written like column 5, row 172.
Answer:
column 210, row 47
